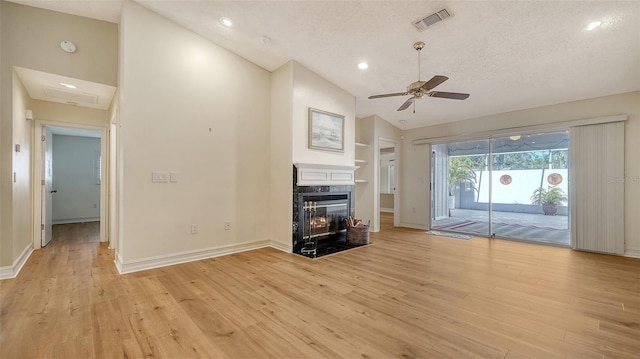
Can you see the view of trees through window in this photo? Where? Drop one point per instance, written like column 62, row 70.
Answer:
column 531, row 160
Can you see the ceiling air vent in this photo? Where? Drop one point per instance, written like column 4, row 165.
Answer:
column 87, row 98
column 432, row 19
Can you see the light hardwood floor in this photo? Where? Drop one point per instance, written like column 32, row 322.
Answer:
column 386, row 221
column 408, row 295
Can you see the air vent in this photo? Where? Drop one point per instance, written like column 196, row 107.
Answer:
column 432, row 19
column 71, row 96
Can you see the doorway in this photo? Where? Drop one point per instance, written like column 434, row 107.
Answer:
column 70, row 183
column 387, row 189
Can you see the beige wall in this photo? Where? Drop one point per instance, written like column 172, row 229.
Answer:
column 414, row 210
column 184, row 107
column 68, row 114
column 30, row 38
column 386, row 201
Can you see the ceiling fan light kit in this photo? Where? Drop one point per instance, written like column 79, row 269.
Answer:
column 420, row 88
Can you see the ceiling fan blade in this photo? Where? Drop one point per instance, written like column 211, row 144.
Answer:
column 388, row 95
column 435, row 81
column 407, row 103
column 450, row 95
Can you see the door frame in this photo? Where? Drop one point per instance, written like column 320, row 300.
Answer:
column 37, row 177
column 376, row 181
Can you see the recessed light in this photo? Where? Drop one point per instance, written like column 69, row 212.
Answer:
column 592, row 26
column 363, row 66
column 226, row 22
column 69, row 86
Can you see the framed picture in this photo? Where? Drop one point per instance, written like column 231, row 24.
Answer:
column 326, row 131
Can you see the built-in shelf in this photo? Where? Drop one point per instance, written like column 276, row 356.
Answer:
column 358, row 144
column 361, row 161
column 361, row 181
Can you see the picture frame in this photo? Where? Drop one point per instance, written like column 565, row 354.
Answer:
column 326, row 131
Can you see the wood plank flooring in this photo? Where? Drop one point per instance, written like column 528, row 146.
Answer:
column 386, row 221
column 408, row 295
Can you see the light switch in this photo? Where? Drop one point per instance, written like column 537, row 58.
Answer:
column 160, row 177
column 173, row 176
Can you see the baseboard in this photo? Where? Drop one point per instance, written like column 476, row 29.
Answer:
column 633, row 253
column 414, row 226
column 281, row 246
column 12, row 271
column 118, row 262
column 387, row 210
column 184, row 257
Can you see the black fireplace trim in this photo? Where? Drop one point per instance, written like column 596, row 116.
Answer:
column 349, row 190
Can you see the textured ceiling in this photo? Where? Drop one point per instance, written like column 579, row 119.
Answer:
column 509, row 55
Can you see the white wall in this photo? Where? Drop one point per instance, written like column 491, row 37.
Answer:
column 21, row 195
column 281, row 183
column 366, row 200
column 113, row 171
column 294, row 89
column 184, row 107
column 523, row 183
column 30, row 39
column 75, row 179
column 415, row 198
column 311, row 90
column 371, row 130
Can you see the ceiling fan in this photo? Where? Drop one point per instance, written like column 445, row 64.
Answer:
column 423, row 88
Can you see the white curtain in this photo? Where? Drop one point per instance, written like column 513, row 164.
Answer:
column 597, row 187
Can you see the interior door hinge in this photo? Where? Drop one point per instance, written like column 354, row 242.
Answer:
column 42, row 182
column 42, row 227
column 43, row 138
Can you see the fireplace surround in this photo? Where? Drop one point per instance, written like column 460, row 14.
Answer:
column 319, row 216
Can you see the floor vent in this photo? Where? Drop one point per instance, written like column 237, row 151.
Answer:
column 432, row 19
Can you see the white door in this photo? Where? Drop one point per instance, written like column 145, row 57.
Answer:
column 47, row 189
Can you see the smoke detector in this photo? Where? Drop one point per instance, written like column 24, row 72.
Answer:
column 432, row 19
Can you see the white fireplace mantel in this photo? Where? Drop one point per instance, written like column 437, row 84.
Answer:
column 324, row 175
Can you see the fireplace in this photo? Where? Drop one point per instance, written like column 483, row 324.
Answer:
column 324, row 219
column 319, row 217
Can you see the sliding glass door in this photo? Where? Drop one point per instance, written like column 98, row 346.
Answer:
column 529, row 197
column 512, row 187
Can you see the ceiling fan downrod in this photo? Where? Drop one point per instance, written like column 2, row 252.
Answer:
column 418, row 46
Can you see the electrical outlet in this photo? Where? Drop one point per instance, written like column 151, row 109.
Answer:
column 227, row 226
column 194, row 229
